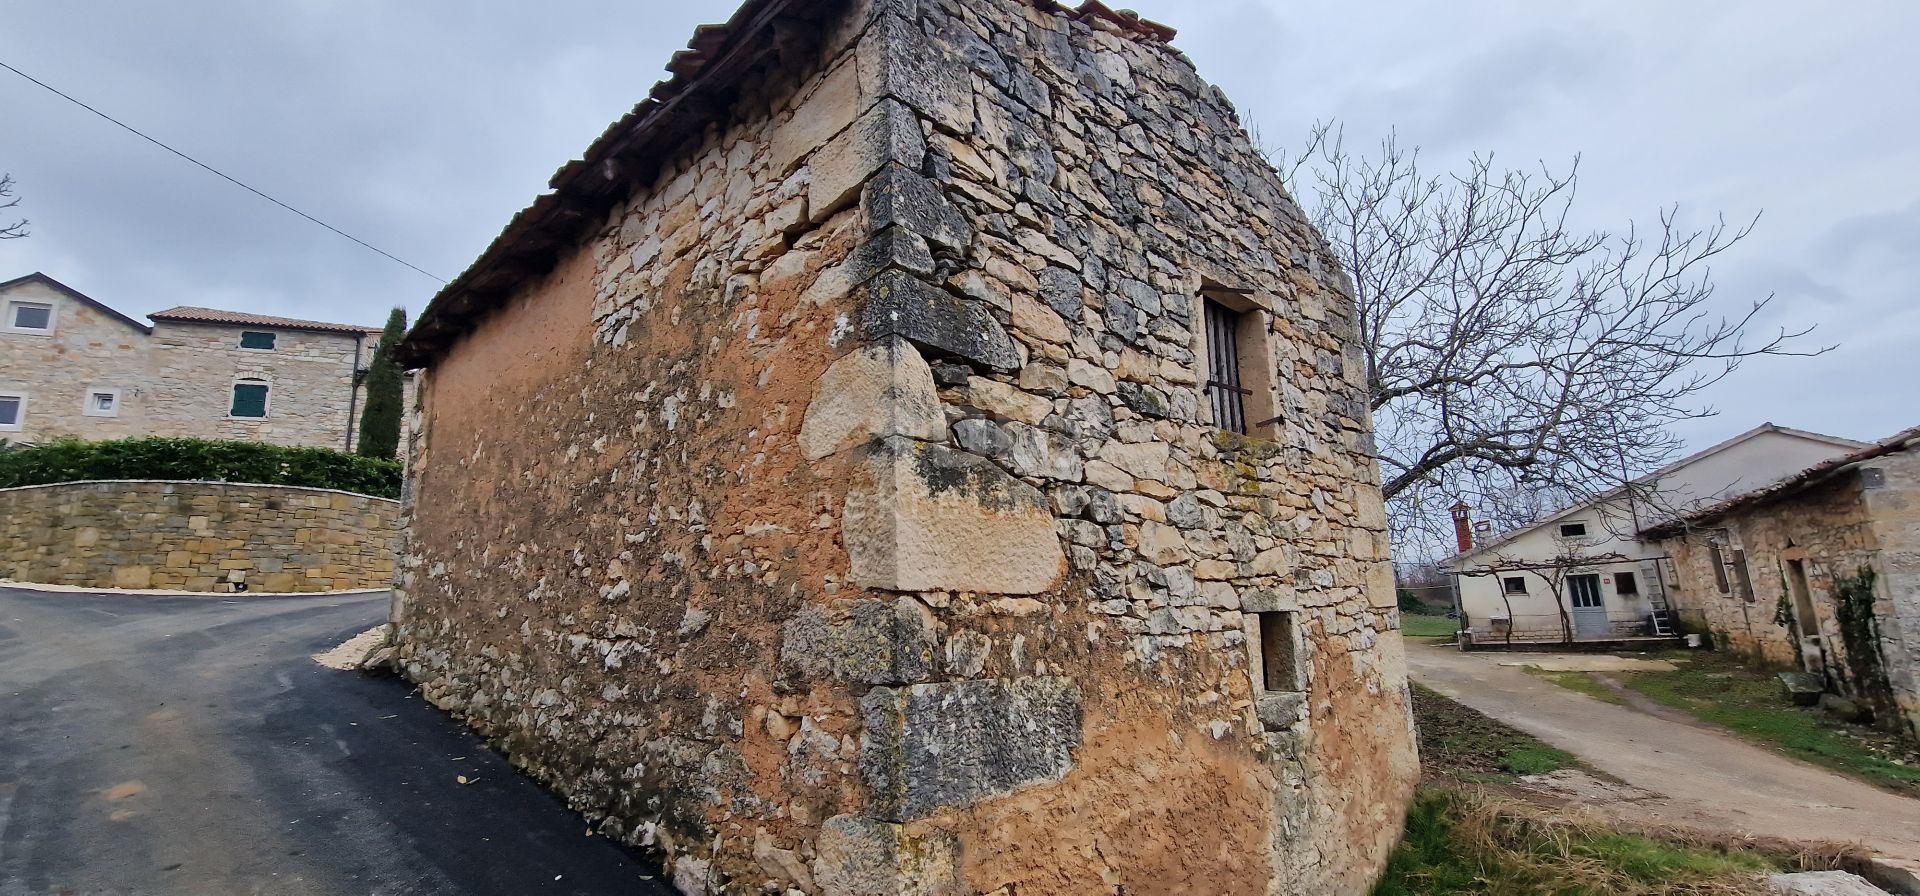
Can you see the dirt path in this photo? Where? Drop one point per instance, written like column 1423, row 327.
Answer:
column 1709, row 779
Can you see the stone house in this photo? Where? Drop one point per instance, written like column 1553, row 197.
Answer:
column 1820, row 573
column 72, row 366
column 1583, row 573
column 921, row 449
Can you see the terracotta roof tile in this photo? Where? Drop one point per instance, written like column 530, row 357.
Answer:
column 189, row 314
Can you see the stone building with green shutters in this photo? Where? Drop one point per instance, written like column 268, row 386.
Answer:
column 73, row 366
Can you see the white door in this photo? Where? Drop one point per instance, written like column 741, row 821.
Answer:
column 1589, row 608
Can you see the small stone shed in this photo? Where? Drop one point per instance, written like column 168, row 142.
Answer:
column 1819, row 573
column 921, row 449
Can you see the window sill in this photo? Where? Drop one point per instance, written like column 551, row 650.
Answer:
column 24, row 331
column 1279, row 710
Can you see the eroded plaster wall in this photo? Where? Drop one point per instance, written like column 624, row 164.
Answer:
column 845, row 516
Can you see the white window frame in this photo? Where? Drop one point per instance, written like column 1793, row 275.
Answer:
column 1561, row 531
column 266, row 409
column 20, row 420
column 88, row 409
column 240, row 341
column 53, row 318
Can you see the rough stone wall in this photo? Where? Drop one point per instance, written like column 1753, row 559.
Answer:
column 1894, row 504
column 196, row 536
column 192, row 368
column 87, row 349
column 1834, row 529
column 844, row 515
column 1830, row 527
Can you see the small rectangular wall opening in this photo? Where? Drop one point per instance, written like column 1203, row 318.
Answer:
column 1279, row 653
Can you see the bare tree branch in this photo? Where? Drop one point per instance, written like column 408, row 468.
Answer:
column 18, row 228
column 1514, row 361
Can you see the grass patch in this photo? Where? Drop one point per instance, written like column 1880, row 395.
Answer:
column 1461, row 743
column 1749, row 702
column 1417, row 626
column 1580, row 681
column 1460, row 842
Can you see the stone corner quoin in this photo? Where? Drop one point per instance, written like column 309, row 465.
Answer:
column 840, row 508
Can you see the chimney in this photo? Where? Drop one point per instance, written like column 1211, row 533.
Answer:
column 1463, row 525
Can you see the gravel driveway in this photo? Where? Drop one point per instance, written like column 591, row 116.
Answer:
column 1708, row 779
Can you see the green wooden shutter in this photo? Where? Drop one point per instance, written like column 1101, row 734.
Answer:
column 249, row 400
column 256, row 340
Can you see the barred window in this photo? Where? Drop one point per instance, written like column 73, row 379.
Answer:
column 1224, row 393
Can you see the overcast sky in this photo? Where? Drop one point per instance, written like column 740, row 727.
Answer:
column 421, row 126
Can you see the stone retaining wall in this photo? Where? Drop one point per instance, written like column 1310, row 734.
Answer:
column 196, row 536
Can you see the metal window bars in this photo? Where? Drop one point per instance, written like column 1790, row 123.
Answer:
column 1224, row 392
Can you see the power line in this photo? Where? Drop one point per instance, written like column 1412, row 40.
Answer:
column 216, row 172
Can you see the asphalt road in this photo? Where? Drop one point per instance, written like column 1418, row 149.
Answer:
column 189, row 745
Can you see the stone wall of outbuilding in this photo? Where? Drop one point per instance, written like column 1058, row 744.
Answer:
column 843, row 515
column 1867, row 517
column 196, row 536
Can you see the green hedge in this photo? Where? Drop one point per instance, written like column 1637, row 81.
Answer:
column 72, row 460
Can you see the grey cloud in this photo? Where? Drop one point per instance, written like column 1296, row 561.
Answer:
column 422, row 126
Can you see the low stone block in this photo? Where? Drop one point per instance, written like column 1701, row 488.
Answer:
column 886, row 133
column 897, row 60
column 874, row 641
column 1823, row 883
column 899, row 197
column 951, row 744
column 929, row 518
column 897, row 304
column 877, row 390
column 132, row 577
column 857, row 856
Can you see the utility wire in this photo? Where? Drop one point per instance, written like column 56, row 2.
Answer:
column 216, row 172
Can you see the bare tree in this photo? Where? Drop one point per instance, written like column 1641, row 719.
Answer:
column 1514, row 360
column 18, row 228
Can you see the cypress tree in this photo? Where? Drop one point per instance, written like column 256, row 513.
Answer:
column 380, row 420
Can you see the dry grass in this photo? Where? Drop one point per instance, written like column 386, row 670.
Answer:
column 1464, row 840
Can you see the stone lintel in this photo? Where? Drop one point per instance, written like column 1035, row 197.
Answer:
column 1264, row 600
